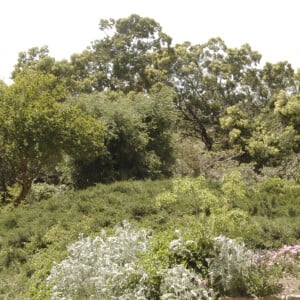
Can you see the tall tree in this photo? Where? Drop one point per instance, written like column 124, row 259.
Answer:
column 277, row 77
column 209, row 78
column 35, row 58
column 270, row 133
column 39, row 60
column 139, row 135
column 6, row 170
column 35, row 128
column 132, row 56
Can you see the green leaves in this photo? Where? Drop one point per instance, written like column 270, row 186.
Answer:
column 36, row 128
column 128, row 58
column 209, row 78
column 138, row 135
column 288, row 107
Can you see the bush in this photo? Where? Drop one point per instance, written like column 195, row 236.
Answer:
column 42, row 191
column 230, row 267
column 183, row 284
column 103, row 267
column 108, row 267
column 123, row 266
column 235, row 272
column 275, row 197
column 138, row 140
column 40, row 230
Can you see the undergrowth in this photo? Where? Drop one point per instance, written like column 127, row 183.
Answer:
column 264, row 216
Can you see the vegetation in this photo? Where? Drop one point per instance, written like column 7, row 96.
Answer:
column 144, row 170
column 35, row 235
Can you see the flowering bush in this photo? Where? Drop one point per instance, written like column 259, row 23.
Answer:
column 287, row 254
column 112, row 267
column 287, row 258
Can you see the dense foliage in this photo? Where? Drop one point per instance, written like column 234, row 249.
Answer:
column 36, row 128
column 139, row 135
column 140, row 86
column 223, row 128
column 179, row 240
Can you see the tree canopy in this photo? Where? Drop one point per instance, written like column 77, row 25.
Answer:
column 114, row 108
column 129, row 57
column 36, row 128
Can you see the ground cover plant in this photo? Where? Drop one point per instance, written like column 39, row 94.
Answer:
column 183, row 217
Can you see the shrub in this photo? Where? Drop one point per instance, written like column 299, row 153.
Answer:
column 234, row 271
column 42, row 191
column 103, row 267
column 111, row 267
column 275, row 197
column 287, row 257
column 230, row 267
column 183, row 284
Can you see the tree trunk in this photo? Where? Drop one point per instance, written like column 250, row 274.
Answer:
column 200, row 128
column 205, row 138
column 25, row 188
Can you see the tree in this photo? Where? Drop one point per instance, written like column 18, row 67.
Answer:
column 269, row 135
column 270, row 141
column 6, row 171
column 39, row 59
column 35, row 128
column 139, row 135
column 267, row 130
column 133, row 55
column 35, row 58
column 277, row 77
column 3, row 87
column 209, row 78
column 288, row 108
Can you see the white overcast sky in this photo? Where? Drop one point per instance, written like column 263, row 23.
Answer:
column 68, row 26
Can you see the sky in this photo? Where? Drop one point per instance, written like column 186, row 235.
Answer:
column 271, row 27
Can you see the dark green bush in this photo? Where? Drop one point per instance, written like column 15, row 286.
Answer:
column 138, row 139
column 9, row 222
